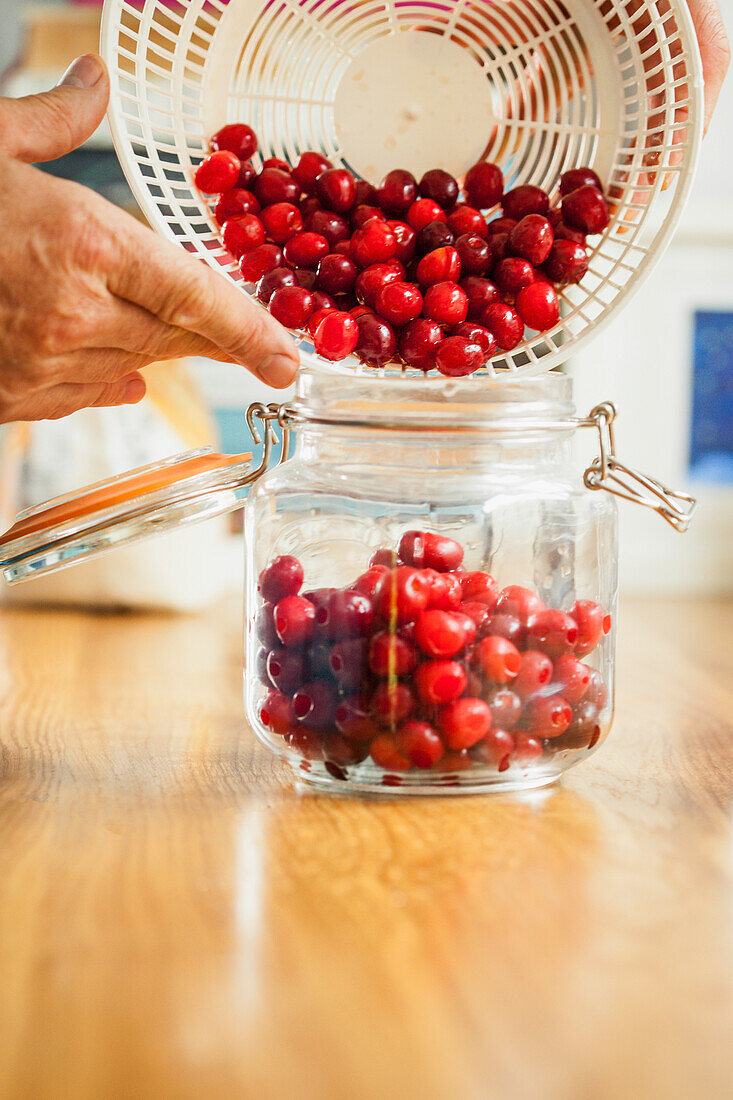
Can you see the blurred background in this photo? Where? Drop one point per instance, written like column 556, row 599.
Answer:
column 667, row 363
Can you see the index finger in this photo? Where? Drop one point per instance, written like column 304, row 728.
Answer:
column 188, row 294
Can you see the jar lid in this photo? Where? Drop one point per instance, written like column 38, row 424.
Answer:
column 150, row 500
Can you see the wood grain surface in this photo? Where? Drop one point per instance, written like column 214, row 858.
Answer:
column 177, row 920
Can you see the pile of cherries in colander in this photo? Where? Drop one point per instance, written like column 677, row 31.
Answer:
column 403, row 272
column 421, row 664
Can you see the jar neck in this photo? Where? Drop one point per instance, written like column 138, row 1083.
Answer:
column 384, row 450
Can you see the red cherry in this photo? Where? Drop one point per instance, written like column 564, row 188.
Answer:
column 276, row 713
column 577, row 177
column 242, row 233
column 464, row 723
column 397, row 192
column 524, row 200
column 526, row 749
column 383, row 556
column 247, row 176
column 292, row 306
column 467, row 221
column 480, row 587
column 392, row 702
column 377, row 343
column 330, row 225
column 426, row 550
column 272, row 280
column 406, row 238
column 535, row 672
column 306, row 249
column 306, row 278
column 477, row 334
column 237, row 138
column 282, row 577
column 512, row 274
column 547, row 715
column 276, row 162
column 469, row 614
column 567, row 262
column 253, row 265
column 336, row 274
column 434, row 235
column 399, row 302
column 318, row 315
column 592, row 622
column 420, row 744
column 401, row 595
column 583, row 731
column 336, row 336
column 446, row 303
column 500, row 227
column 390, row 655
column 519, row 601
column 295, row 620
column 437, row 266
column 495, row 749
column 236, row 201
column 423, row 212
column 218, row 172
column 503, row 626
column 360, row 215
column 440, row 187
column 314, row 704
column 367, row 582
column 309, row 167
column 440, row 682
column 273, row 185
column 506, row 708
column 484, row 185
column 374, row 243
column 419, row 343
column 457, row 357
column 347, row 662
column 498, row 659
column 538, row 306
column 480, row 293
column 336, row 189
column 265, row 626
column 505, row 323
column 386, row 755
column 344, row 614
column 366, row 194
column 475, row 254
column 445, row 592
column 586, row 209
column 565, row 232
column 499, row 248
column 370, row 281
column 552, row 632
column 282, row 221
column 287, row 669
column 572, row 676
column 353, row 718
column 532, row 239
column 440, row 633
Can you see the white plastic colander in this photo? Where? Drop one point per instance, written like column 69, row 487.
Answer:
column 537, row 86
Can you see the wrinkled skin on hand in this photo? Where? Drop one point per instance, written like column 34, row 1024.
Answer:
column 88, row 295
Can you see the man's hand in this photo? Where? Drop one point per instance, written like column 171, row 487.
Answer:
column 88, row 296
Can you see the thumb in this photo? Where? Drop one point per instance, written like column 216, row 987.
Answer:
column 47, row 126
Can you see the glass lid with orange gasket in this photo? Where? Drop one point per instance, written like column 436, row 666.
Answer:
column 183, row 489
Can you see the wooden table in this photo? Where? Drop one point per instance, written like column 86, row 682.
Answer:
column 177, row 920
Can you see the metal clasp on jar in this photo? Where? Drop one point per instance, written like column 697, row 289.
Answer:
column 606, row 472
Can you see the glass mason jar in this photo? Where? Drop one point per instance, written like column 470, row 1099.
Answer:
column 430, row 588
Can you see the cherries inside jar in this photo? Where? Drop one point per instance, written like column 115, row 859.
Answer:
column 428, row 606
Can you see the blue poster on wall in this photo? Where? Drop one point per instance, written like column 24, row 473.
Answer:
column 711, row 430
